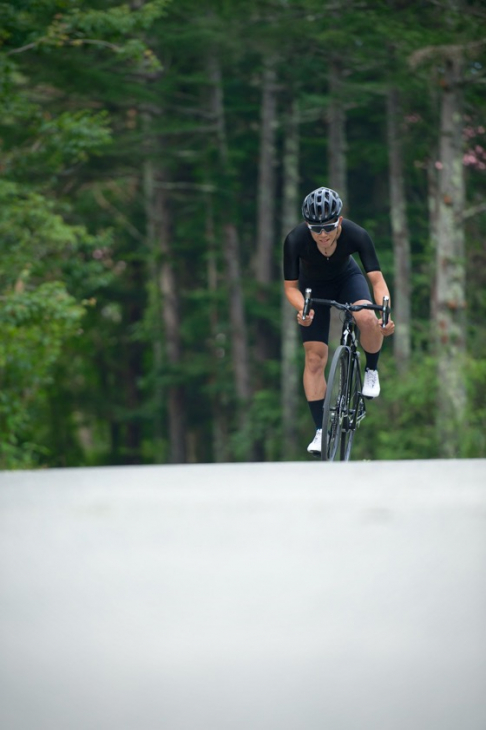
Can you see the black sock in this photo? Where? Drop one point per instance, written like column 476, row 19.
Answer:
column 372, row 360
column 316, row 407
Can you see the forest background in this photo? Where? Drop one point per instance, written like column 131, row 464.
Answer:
column 153, row 157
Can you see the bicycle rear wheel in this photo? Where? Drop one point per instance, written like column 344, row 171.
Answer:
column 354, row 410
column 334, row 404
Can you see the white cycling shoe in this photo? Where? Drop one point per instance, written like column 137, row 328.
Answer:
column 316, row 443
column 371, row 384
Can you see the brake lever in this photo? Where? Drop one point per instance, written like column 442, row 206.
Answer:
column 307, row 303
column 386, row 311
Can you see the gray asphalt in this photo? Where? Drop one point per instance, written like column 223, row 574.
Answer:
column 302, row 596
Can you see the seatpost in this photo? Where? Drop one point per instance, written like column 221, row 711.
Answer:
column 307, row 303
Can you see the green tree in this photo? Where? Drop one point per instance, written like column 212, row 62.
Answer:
column 51, row 265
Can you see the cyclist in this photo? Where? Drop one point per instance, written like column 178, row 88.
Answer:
column 318, row 253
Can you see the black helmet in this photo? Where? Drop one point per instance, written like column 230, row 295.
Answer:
column 321, row 205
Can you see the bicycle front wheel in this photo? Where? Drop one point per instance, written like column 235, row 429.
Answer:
column 354, row 409
column 334, row 404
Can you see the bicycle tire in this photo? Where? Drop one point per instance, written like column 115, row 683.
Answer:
column 353, row 406
column 333, row 404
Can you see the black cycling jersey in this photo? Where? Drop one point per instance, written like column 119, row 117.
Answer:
column 304, row 261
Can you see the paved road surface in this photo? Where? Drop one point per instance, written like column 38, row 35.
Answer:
column 244, row 597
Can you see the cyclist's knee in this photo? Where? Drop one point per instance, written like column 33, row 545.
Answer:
column 366, row 320
column 316, row 358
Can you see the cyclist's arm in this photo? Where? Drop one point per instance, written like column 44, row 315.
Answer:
column 371, row 265
column 296, row 299
column 380, row 289
column 294, row 295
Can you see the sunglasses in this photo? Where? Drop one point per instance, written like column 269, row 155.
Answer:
column 327, row 227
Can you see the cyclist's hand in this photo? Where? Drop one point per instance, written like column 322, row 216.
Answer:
column 307, row 321
column 389, row 329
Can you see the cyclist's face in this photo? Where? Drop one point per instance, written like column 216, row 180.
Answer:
column 327, row 237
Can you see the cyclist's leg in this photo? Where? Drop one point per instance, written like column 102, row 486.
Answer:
column 315, row 339
column 316, row 354
column 370, row 336
column 315, row 388
column 355, row 289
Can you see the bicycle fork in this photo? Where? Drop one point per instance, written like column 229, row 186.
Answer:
column 353, row 403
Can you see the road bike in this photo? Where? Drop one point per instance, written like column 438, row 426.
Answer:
column 344, row 404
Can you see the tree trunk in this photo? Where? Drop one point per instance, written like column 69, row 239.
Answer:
column 450, row 263
column 219, row 420
column 171, row 318
column 337, row 148
column 154, row 296
column 265, row 248
column 238, row 328
column 133, row 369
column 164, row 298
column 337, row 133
column 290, row 336
column 266, row 177
column 433, row 203
column 237, row 316
column 401, row 240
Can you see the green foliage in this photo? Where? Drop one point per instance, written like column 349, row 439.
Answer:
column 52, row 25
column 39, row 251
column 70, row 138
column 473, row 436
column 53, row 267
column 35, row 327
column 37, row 243
column 400, row 424
column 115, row 22
column 262, row 427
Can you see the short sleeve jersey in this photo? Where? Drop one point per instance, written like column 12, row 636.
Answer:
column 304, row 261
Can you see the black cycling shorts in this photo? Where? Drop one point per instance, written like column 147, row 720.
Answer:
column 349, row 288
